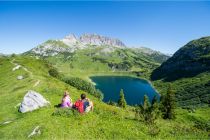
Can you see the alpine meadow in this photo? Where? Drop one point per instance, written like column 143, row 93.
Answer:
column 96, row 86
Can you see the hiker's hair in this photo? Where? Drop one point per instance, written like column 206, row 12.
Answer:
column 83, row 96
column 66, row 93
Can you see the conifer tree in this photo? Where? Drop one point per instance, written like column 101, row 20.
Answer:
column 168, row 104
column 155, row 112
column 155, row 105
column 122, row 102
column 145, row 108
column 110, row 102
column 148, row 112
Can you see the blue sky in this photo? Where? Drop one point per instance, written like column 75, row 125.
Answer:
column 162, row 26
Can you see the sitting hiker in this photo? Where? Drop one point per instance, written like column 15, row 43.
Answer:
column 84, row 104
column 66, row 100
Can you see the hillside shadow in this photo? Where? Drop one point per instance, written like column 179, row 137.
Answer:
column 57, row 106
column 175, row 75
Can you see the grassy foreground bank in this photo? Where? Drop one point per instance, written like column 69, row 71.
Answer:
column 106, row 122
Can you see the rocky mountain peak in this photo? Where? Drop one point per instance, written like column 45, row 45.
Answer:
column 71, row 43
column 95, row 39
column 69, row 39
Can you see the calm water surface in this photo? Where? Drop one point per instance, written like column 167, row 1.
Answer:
column 134, row 88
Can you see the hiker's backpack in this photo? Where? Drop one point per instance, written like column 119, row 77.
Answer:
column 79, row 106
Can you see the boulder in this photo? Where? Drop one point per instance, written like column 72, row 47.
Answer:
column 32, row 101
column 20, row 77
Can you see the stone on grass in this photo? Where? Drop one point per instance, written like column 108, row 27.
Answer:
column 7, row 122
column 20, row 77
column 36, row 131
column 32, row 101
column 16, row 68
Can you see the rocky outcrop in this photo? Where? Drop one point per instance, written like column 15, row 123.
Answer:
column 51, row 48
column 70, row 44
column 32, row 101
column 92, row 39
column 70, row 40
column 95, row 39
column 20, row 77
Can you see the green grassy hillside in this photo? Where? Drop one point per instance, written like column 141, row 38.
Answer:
column 94, row 60
column 106, row 122
column 80, row 59
column 189, row 61
column 189, row 71
column 190, row 92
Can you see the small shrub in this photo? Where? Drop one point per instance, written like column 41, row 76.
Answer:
column 110, row 102
column 13, row 55
column 148, row 112
column 98, row 94
column 53, row 72
column 65, row 112
column 84, row 85
column 202, row 125
column 154, row 130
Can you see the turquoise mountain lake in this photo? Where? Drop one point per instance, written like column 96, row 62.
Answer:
column 134, row 88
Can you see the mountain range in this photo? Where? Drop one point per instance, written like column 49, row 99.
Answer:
column 71, row 43
column 102, row 54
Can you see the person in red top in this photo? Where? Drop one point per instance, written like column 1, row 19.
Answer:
column 84, row 104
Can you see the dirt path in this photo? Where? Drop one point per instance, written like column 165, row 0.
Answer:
column 37, row 83
column 17, row 66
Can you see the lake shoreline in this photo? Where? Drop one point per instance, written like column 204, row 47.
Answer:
column 109, row 74
column 120, row 74
column 91, row 78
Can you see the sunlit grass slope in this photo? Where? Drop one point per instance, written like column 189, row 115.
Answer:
column 106, row 122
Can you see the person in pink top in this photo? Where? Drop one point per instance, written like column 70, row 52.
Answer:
column 66, row 100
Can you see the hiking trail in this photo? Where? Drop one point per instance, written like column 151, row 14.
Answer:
column 17, row 66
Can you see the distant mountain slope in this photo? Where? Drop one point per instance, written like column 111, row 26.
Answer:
column 188, row 61
column 70, row 44
column 1, row 54
column 99, row 52
column 155, row 55
column 189, row 72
